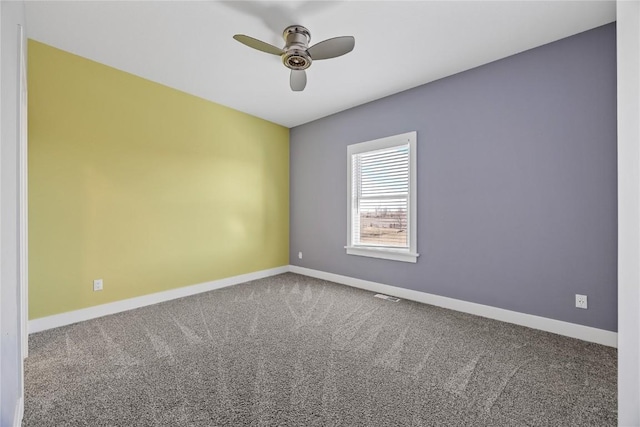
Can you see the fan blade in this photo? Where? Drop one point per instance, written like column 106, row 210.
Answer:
column 258, row 44
column 298, row 80
column 332, row 48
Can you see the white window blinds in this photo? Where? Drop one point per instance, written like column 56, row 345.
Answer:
column 380, row 197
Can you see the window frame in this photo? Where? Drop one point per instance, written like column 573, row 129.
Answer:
column 409, row 254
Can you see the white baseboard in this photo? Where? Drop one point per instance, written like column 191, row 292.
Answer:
column 62, row 319
column 19, row 412
column 585, row 333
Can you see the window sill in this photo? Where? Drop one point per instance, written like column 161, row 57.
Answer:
column 384, row 253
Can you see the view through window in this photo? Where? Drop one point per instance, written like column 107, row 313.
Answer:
column 381, row 190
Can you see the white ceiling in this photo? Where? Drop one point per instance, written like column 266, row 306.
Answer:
column 399, row 44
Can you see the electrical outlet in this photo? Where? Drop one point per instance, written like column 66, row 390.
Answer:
column 300, row 255
column 581, row 301
column 97, row 285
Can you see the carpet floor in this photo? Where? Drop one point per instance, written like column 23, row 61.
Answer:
column 291, row 350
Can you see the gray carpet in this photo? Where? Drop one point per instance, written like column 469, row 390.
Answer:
column 296, row 351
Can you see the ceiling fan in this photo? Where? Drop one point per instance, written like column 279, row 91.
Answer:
column 296, row 53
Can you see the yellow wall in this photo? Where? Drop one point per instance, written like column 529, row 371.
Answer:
column 143, row 186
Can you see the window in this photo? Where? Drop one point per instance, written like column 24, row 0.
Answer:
column 382, row 198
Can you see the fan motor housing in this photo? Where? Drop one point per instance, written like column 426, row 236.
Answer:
column 295, row 55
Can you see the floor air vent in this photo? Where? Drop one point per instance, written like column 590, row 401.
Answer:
column 387, row 297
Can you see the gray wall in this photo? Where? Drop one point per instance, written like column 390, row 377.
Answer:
column 10, row 342
column 516, row 183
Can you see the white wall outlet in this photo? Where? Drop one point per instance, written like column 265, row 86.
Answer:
column 581, row 301
column 97, row 285
column 300, row 255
